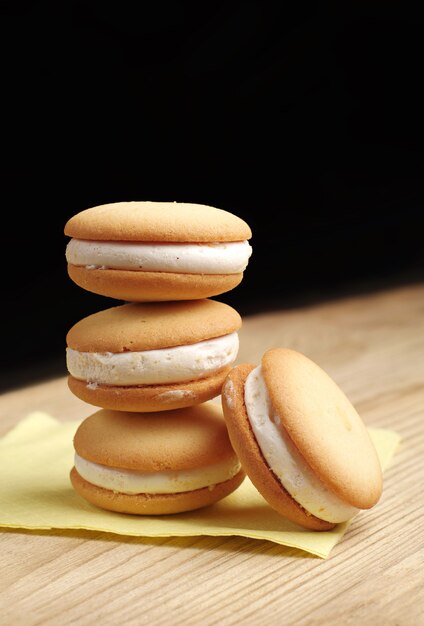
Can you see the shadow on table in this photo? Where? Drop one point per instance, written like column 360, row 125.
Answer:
column 233, row 544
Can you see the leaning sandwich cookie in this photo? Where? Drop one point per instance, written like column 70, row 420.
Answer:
column 155, row 464
column 300, row 440
column 156, row 251
column 152, row 356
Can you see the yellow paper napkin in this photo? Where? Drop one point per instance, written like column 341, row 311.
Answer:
column 35, row 493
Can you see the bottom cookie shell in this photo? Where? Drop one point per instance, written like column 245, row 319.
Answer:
column 153, row 504
column 150, row 397
column 139, row 286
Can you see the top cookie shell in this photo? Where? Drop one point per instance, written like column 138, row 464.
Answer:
column 182, row 439
column 153, row 325
column 324, row 426
column 157, row 222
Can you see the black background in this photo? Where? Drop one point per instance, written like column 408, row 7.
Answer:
column 305, row 122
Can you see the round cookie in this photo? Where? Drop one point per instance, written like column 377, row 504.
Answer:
column 150, row 464
column 152, row 356
column 155, row 251
column 300, row 440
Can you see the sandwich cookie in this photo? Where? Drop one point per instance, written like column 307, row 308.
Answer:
column 152, row 356
column 300, row 440
column 153, row 251
column 150, row 464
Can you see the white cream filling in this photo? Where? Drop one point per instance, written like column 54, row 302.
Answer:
column 154, row 367
column 285, row 461
column 133, row 482
column 185, row 258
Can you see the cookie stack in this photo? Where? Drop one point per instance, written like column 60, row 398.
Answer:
column 157, row 445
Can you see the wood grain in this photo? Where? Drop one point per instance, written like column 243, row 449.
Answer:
column 373, row 346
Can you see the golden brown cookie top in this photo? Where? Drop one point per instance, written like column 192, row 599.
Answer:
column 182, row 439
column 153, row 325
column 157, row 221
column 324, row 426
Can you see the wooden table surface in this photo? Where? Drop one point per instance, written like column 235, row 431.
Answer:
column 373, row 346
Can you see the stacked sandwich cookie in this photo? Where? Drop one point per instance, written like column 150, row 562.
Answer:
column 155, row 463
column 153, row 356
column 157, row 445
column 154, row 251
